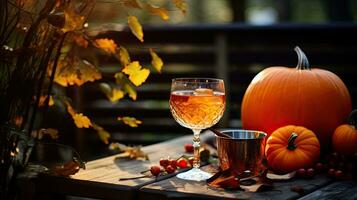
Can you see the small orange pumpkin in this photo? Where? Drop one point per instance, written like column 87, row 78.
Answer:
column 292, row 147
column 344, row 139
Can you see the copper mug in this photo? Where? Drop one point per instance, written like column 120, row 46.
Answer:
column 243, row 152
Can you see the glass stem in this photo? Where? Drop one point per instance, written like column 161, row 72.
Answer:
column 196, row 147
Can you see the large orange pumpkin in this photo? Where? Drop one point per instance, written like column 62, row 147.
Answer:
column 292, row 147
column 314, row 98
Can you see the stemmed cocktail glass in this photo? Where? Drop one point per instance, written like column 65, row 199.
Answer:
column 197, row 103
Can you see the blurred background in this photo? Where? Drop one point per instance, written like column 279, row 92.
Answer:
column 229, row 39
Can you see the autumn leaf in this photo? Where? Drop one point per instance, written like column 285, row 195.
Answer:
column 81, row 121
column 112, row 94
column 135, row 27
column 130, row 121
column 156, row 61
column 124, row 57
column 132, row 3
column 123, row 81
column 74, row 71
column 43, row 98
column 162, row 12
column 103, row 134
column 107, row 45
column 80, row 40
column 181, row 4
column 137, row 75
column 73, row 21
column 133, row 153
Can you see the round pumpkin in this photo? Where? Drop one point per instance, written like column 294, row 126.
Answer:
column 344, row 139
column 313, row 98
column 290, row 148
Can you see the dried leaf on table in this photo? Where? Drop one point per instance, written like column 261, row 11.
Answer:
column 137, row 74
column 257, row 183
column 224, row 179
column 156, row 61
column 124, row 57
column 136, row 28
column 162, row 12
column 130, row 121
column 117, row 146
column 181, row 4
column 107, row 45
column 133, row 153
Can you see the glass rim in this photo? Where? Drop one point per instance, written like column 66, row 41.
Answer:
column 262, row 134
column 197, row 80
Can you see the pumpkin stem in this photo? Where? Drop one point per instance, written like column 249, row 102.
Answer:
column 303, row 62
column 291, row 146
column 352, row 118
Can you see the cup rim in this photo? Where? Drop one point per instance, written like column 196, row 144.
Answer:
column 197, row 80
column 264, row 135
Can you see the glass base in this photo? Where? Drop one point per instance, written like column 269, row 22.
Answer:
column 194, row 175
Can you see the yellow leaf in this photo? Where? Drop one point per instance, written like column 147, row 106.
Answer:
column 132, row 3
column 122, row 80
column 73, row 71
column 107, row 45
column 135, row 27
column 103, row 134
column 130, row 121
column 112, row 94
column 162, row 12
column 124, row 56
column 53, row 133
column 81, row 121
column 42, row 100
column 181, row 4
column 73, row 21
column 156, row 61
column 136, row 75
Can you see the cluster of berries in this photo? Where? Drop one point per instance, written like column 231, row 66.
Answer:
column 171, row 165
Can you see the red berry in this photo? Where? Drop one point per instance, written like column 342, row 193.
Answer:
column 319, row 167
column 164, row 162
column 310, row 172
column 170, row 169
column 189, row 148
column 331, row 172
column 301, row 172
column 173, row 163
column 182, row 163
column 338, row 174
column 155, row 170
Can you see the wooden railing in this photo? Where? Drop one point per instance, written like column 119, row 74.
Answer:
column 234, row 52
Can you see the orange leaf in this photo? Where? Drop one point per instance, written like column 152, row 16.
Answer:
column 136, row 75
column 181, row 4
column 156, row 61
column 124, row 57
column 53, row 133
column 81, row 121
column 112, row 94
column 136, row 28
column 162, row 12
column 80, row 40
column 74, row 71
column 108, row 45
column 130, row 121
column 103, row 134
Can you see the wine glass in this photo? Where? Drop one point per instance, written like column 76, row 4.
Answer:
column 197, row 103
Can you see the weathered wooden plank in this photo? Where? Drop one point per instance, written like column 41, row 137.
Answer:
column 177, row 188
column 346, row 190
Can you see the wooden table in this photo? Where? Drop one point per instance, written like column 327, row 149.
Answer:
column 101, row 180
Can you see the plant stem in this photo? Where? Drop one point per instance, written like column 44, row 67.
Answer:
column 291, row 146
